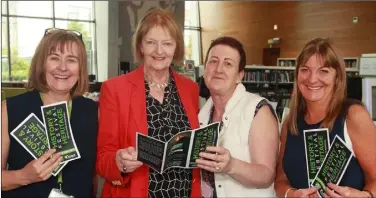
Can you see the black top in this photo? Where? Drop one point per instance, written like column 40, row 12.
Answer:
column 294, row 160
column 77, row 174
column 165, row 120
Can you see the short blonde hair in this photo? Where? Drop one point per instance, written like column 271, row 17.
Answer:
column 57, row 39
column 162, row 18
column 323, row 48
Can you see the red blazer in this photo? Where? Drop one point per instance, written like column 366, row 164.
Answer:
column 122, row 107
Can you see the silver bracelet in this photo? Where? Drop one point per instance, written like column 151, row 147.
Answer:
column 287, row 191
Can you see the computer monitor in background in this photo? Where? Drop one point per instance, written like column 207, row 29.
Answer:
column 354, row 88
column 369, row 95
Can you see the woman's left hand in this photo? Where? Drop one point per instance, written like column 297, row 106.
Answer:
column 216, row 159
column 344, row 191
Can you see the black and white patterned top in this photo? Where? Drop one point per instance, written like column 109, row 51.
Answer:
column 165, row 120
column 208, row 177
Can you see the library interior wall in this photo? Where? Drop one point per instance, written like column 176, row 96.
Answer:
column 298, row 22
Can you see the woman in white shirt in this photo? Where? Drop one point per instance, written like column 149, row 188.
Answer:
column 243, row 164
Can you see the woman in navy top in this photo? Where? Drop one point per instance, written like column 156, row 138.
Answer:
column 58, row 72
column 318, row 101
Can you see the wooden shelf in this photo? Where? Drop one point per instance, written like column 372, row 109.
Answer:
column 265, row 82
column 268, row 67
column 352, row 69
column 286, row 68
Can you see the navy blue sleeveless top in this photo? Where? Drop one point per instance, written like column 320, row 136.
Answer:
column 78, row 174
column 294, row 160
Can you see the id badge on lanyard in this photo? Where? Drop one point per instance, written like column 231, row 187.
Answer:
column 58, row 193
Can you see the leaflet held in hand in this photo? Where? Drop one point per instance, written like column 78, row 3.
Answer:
column 317, row 144
column 180, row 151
column 31, row 134
column 334, row 166
column 59, row 131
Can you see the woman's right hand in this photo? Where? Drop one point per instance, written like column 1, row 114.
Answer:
column 40, row 169
column 126, row 160
column 306, row 192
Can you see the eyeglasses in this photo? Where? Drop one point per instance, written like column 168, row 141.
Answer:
column 74, row 32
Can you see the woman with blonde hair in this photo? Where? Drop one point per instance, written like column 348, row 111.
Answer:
column 319, row 101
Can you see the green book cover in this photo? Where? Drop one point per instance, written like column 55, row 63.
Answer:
column 59, row 131
column 334, row 166
column 317, row 144
column 31, row 135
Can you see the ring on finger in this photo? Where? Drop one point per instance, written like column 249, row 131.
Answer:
column 217, row 167
column 124, row 168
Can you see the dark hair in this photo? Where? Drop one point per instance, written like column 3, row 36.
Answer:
column 233, row 43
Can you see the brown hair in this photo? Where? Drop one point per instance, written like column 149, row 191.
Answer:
column 164, row 19
column 233, row 43
column 51, row 42
column 323, row 48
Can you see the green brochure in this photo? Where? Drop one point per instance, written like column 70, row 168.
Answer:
column 59, row 131
column 334, row 166
column 180, row 151
column 31, row 135
column 317, row 144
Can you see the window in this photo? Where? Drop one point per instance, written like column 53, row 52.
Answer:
column 192, row 32
column 23, row 26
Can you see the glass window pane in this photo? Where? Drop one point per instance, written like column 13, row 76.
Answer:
column 4, row 50
column 74, row 10
column 191, row 14
column 4, row 69
column 192, row 46
column 31, row 8
column 3, row 7
column 87, row 31
column 23, row 42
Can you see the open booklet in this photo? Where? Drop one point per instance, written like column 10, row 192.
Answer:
column 31, row 135
column 333, row 167
column 181, row 150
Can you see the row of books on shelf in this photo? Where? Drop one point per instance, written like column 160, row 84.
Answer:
column 279, row 102
column 267, row 76
column 274, row 95
column 350, row 62
column 284, row 102
column 286, row 62
column 352, row 74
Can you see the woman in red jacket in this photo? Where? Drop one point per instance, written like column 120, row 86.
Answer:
column 153, row 100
